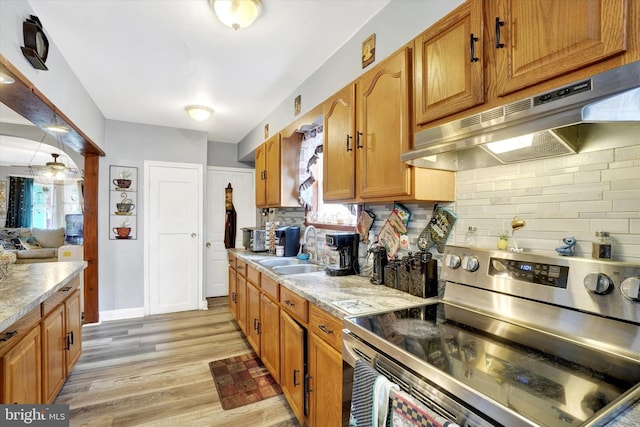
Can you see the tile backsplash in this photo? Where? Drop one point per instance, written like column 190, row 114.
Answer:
column 574, row 195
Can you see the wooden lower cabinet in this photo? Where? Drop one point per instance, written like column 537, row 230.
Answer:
column 325, row 384
column 241, row 303
column 233, row 290
column 54, row 367
column 292, row 371
column 253, row 317
column 21, row 368
column 270, row 336
column 38, row 351
column 73, row 314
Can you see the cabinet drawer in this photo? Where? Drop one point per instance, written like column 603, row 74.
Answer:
column 14, row 333
column 270, row 287
column 294, row 304
column 253, row 275
column 62, row 294
column 232, row 260
column 241, row 267
column 326, row 326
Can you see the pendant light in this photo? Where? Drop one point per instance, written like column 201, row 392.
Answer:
column 237, row 13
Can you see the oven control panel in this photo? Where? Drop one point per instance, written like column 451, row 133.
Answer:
column 527, row 271
column 608, row 288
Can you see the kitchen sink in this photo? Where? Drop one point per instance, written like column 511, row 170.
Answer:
column 282, row 261
column 296, row 268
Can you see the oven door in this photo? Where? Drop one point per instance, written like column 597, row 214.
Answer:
column 412, row 383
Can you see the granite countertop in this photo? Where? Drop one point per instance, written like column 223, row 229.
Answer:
column 30, row 284
column 324, row 291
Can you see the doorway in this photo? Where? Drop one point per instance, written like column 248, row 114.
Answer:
column 242, row 181
column 173, row 235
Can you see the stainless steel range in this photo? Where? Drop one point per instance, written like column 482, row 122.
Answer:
column 518, row 339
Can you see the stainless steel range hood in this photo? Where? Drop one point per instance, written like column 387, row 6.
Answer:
column 591, row 114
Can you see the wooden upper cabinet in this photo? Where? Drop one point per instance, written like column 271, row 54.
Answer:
column 448, row 61
column 273, row 171
column 339, row 160
column 268, row 173
column 546, row 38
column 277, row 171
column 383, row 129
column 261, row 168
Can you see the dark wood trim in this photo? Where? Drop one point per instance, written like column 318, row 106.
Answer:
column 25, row 99
column 91, row 167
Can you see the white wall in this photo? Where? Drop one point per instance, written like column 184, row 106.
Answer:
column 59, row 83
column 398, row 23
column 121, row 269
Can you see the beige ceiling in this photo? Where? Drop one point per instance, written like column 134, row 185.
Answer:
column 143, row 61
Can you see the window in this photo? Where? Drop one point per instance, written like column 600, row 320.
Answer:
column 52, row 202
column 321, row 214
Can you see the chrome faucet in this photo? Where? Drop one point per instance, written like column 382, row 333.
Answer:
column 315, row 240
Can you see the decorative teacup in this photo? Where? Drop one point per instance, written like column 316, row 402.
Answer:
column 122, row 232
column 125, row 207
column 122, row 183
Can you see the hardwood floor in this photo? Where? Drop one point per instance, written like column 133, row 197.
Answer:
column 154, row 371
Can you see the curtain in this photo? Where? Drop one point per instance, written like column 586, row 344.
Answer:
column 20, row 209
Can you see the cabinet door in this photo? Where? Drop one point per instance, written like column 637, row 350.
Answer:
column 270, row 336
column 292, row 340
column 447, row 78
column 384, row 131
column 325, row 384
column 54, row 347
column 273, row 171
column 73, row 315
column 261, row 183
column 21, row 370
column 233, row 290
column 253, row 317
column 339, row 146
column 241, row 303
column 546, row 38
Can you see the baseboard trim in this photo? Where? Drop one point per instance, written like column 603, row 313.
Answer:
column 126, row 313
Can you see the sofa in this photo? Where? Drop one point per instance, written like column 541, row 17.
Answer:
column 33, row 244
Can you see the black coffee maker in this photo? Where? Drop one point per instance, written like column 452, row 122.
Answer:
column 289, row 237
column 346, row 245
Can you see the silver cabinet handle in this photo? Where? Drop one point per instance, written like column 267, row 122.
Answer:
column 193, row 235
column 208, row 244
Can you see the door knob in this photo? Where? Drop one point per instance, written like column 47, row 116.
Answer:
column 193, row 235
column 208, row 244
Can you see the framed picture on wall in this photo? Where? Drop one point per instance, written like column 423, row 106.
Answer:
column 123, row 198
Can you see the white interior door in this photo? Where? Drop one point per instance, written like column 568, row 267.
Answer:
column 173, row 220
column 242, row 181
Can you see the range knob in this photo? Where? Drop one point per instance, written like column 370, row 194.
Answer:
column 598, row 283
column 452, row 261
column 470, row 263
column 630, row 288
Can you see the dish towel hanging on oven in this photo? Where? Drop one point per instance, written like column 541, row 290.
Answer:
column 364, row 379
column 381, row 393
column 406, row 411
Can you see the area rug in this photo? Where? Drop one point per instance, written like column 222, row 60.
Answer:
column 241, row 380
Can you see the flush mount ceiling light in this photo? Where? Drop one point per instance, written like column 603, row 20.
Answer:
column 237, row 13
column 199, row 113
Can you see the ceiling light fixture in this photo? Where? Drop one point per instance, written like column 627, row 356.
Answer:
column 6, row 79
column 199, row 113
column 56, row 126
column 237, row 13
